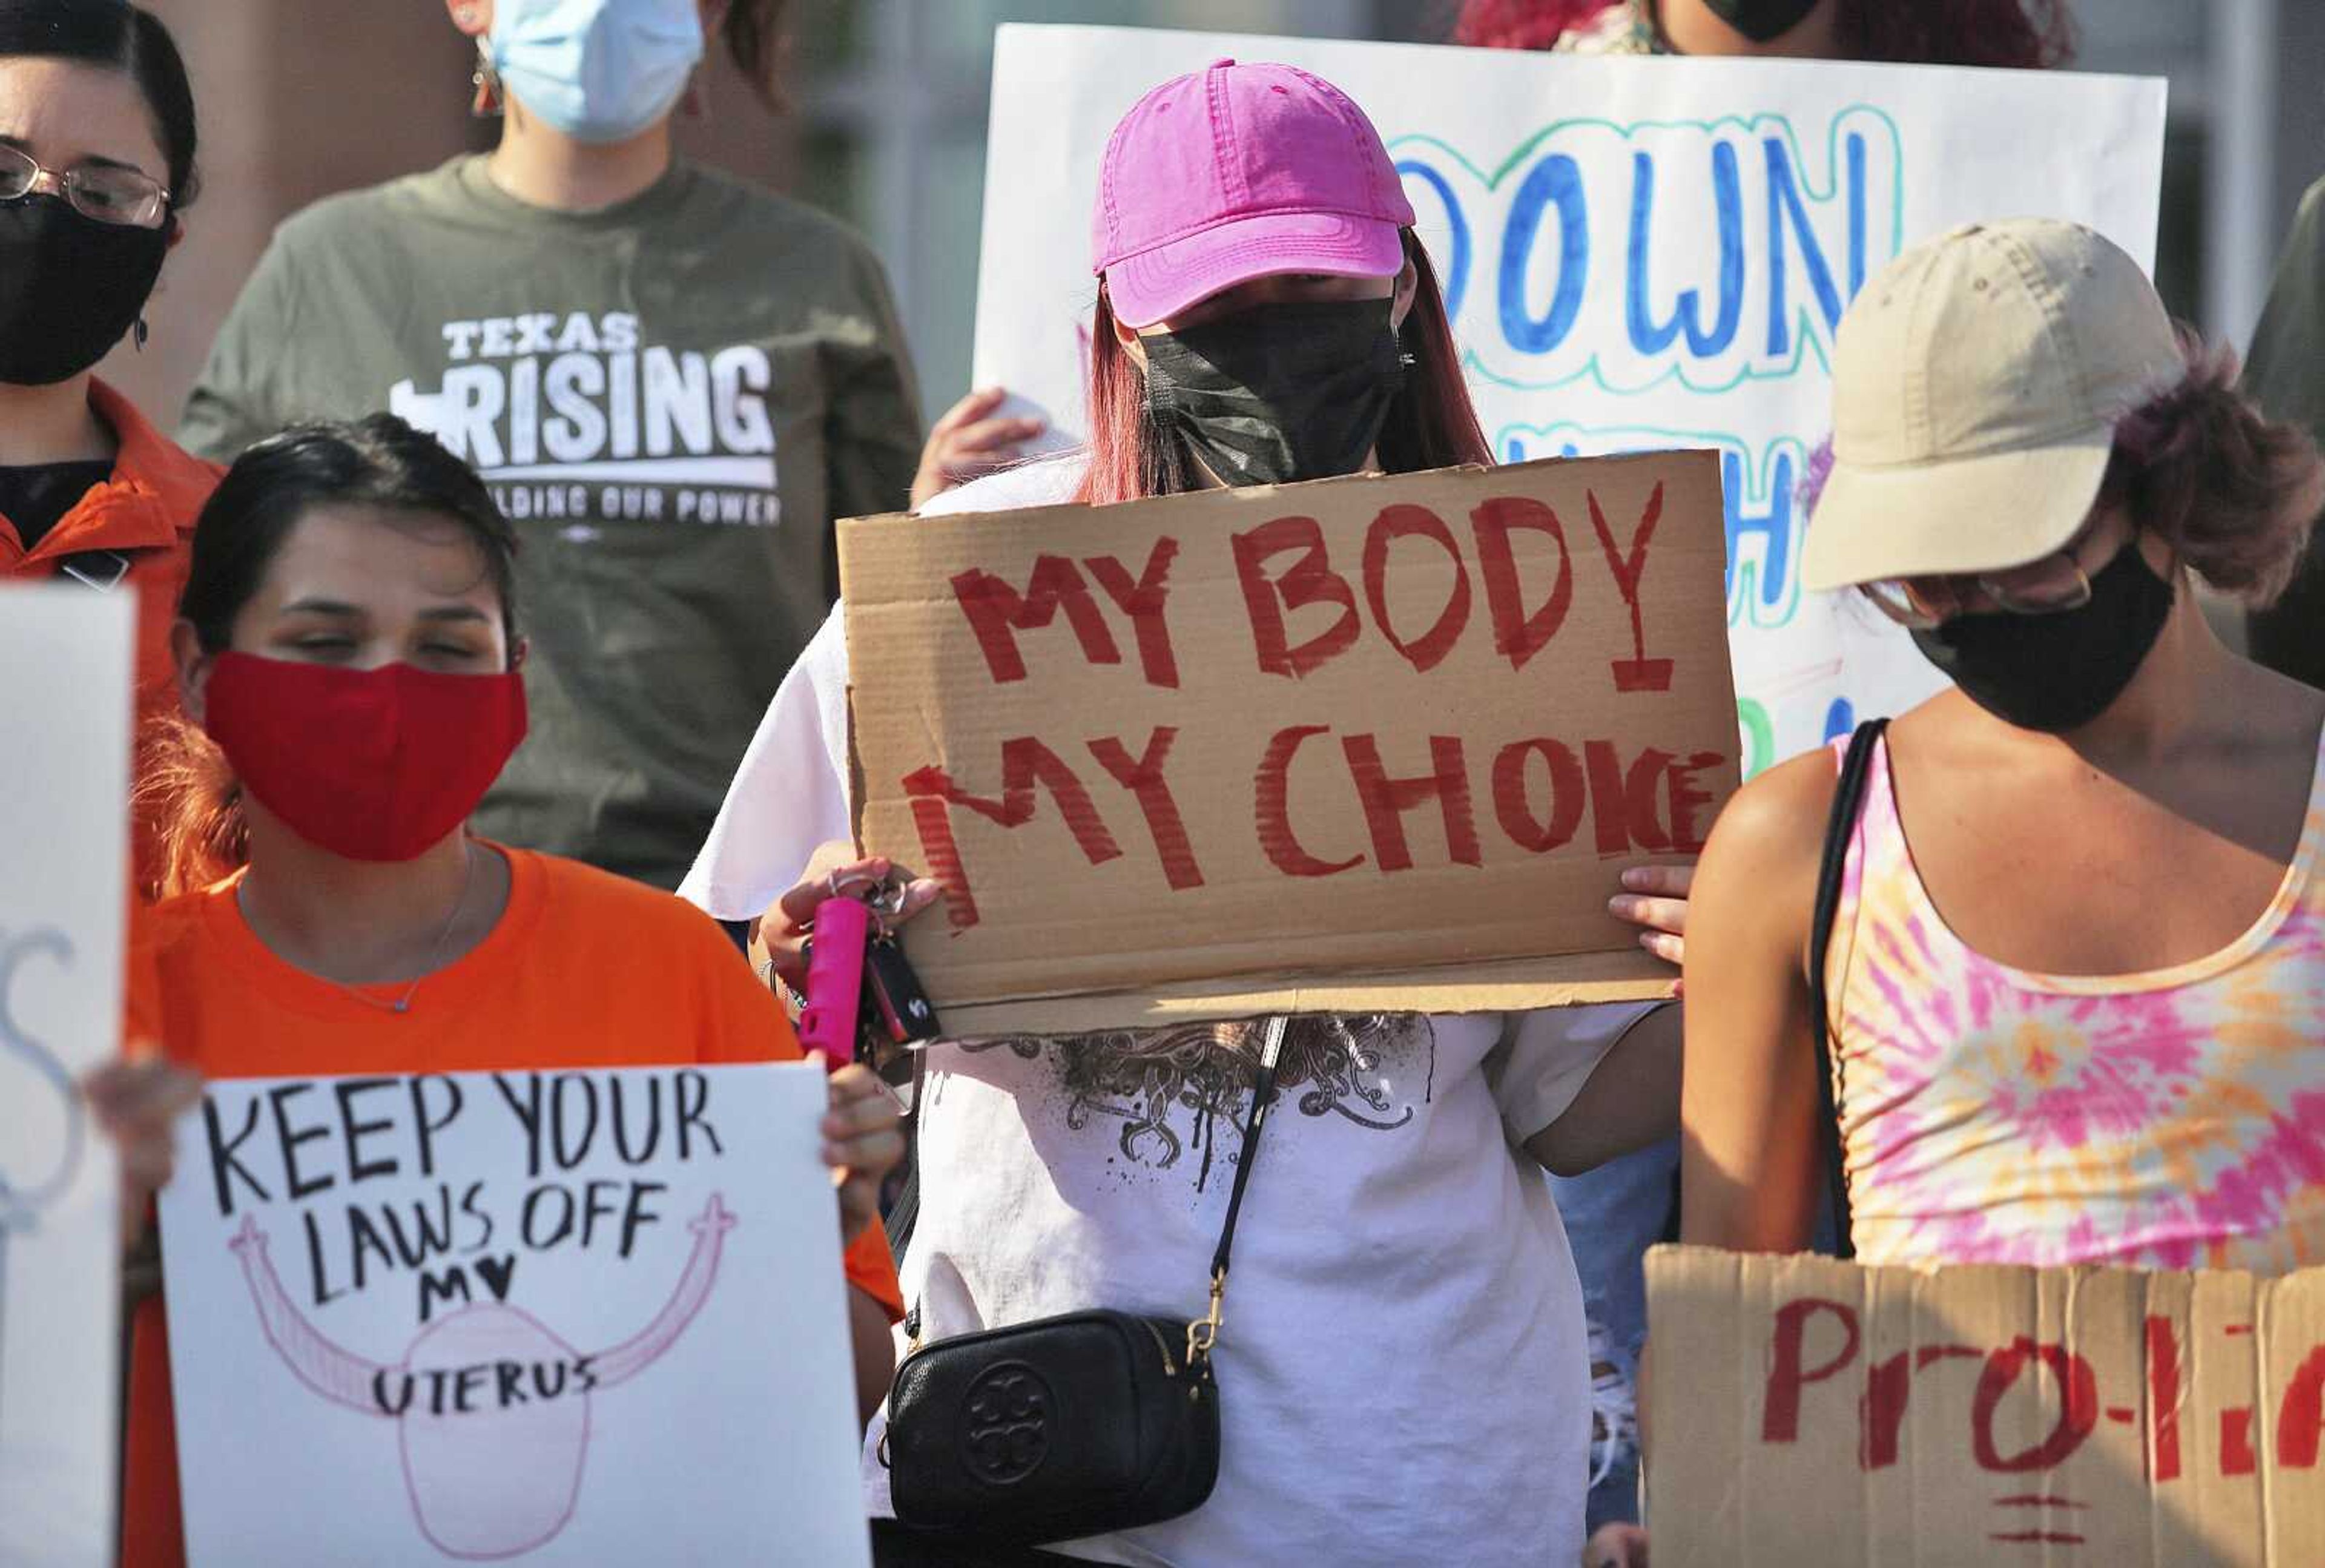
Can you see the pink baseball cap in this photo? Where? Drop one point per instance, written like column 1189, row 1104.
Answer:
column 1235, row 172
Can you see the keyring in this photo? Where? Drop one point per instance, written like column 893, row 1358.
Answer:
column 887, row 899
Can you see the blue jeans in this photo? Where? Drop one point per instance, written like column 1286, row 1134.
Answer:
column 1613, row 1215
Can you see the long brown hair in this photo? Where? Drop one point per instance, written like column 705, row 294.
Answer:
column 1431, row 423
column 2234, row 493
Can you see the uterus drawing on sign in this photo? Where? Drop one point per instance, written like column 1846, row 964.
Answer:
column 49, row 1128
column 493, row 1408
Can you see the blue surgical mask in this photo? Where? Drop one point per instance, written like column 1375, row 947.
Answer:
column 598, row 70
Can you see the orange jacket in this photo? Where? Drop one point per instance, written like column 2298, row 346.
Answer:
column 144, row 513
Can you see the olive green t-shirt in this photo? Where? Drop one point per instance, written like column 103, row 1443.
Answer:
column 673, row 399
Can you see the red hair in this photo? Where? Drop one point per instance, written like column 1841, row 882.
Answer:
column 1431, row 423
column 1522, row 24
column 2029, row 34
column 188, row 788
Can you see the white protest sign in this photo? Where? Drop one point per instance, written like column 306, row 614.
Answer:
column 1636, row 253
column 576, row 1317
column 64, row 888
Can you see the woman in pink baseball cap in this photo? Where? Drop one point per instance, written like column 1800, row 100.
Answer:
column 1402, row 1376
column 1265, row 313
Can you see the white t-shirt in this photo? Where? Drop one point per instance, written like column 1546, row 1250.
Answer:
column 1401, row 1369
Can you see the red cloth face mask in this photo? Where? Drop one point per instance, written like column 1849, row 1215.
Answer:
column 374, row 765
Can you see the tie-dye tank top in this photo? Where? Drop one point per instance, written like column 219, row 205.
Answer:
column 2171, row 1118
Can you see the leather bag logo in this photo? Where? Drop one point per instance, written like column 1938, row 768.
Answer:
column 1005, row 1423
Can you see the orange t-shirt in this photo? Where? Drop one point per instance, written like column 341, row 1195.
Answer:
column 584, row 969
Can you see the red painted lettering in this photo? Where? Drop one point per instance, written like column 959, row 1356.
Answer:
column 1638, row 673
column 1142, row 600
column 996, row 612
column 1518, row 634
column 1881, row 1415
column 1144, row 779
column 1780, row 1420
column 1623, row 800
column 2162, row 1399
column 1271, row 789
column 1537, row 835
column 2300, row 1419
column 1310, row 582
column 1387, row 800
column 1405, row 521
column 2236, row 1456
column 1025, row 762
column 1686, row 800
column 2078, row 1409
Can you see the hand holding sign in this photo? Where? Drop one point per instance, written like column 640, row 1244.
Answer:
column 1655, row 897
column 863, row 1141
column 138, row 1102
column 970, row 440
column 782, row 933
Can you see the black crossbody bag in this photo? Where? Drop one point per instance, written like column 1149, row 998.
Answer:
column 1068, row 1426
column 1840, row 828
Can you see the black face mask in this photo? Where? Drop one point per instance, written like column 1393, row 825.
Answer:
column 1761, row 20
column 2056, row 672
column 1278, row 393
column 70, row 287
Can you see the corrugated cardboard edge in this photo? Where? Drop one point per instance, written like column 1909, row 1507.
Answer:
column 1507, row 986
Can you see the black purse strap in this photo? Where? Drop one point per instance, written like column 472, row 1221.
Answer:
column 1204, row 1332
column 1840, row 828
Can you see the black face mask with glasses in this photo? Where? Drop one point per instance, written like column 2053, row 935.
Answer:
column 2058, row 646
column 78, row 262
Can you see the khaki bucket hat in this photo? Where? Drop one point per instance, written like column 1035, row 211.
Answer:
column 1975, row 386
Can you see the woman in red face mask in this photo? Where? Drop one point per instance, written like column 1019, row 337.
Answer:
column 348, row 641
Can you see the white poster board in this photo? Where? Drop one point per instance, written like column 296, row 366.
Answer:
column 578, row 1317
column 64, row 889
column 1638, row 253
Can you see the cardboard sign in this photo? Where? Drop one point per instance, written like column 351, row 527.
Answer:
column 571, row 1317
column 1363, row 743
column 64, row 880
column 1636, row 254
column 1800, row 1410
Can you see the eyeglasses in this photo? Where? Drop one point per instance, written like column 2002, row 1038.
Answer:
column 98, row 191
column 2052, row 586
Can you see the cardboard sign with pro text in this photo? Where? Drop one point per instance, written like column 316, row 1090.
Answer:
column 1802, row 1410
column 576, row 1317
column 1365, row 743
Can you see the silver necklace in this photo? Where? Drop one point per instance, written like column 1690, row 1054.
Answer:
column 403, row 1004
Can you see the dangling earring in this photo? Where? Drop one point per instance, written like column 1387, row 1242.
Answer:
column 694, row 103
column 139, row 333
column 487, row 104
